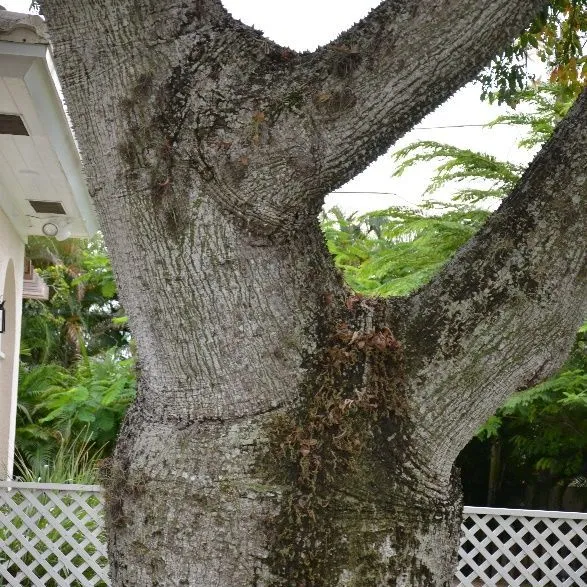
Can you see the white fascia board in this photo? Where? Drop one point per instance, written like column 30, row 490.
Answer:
column 42, row 83
column 22, row 49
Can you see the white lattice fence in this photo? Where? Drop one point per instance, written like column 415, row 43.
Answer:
column 52, row 535
column 530, row 548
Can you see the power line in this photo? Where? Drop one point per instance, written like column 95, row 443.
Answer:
column 375, row 193
column 486, row 125
column 378, row 194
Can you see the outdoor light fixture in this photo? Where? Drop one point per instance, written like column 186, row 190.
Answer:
column 60, row 228
column 50, row 229
column 2, row 318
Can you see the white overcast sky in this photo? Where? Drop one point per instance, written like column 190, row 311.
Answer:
column 306, row 24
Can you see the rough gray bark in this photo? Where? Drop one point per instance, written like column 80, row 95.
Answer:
column 498, row 318
column 287, row 432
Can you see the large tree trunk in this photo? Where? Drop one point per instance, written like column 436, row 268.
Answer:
column 292, row 461
column 286, row 431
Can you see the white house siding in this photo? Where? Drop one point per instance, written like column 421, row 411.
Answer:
column 11, row 270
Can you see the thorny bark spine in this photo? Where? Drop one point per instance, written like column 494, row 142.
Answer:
column 214, row 212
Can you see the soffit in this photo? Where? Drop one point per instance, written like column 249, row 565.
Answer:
column 43, row 165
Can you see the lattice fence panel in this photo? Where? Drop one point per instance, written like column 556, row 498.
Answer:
column 52, row 536
column 522, row 548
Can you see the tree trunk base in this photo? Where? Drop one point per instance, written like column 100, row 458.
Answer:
column 196, row 507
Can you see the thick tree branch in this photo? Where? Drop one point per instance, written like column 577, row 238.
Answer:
column 503, row 314
column 321, row 118
column 371, row 85
column 313, row 121
column 268, row 130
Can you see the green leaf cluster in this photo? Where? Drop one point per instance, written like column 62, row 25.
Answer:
column 77, row 373
column 81, row 315
column 394, row 251
column 546, row 426
column 549, row 104
column 56, row 403
column 496, row 178
column 556, row 38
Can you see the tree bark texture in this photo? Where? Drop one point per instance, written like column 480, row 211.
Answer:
column 288, row 432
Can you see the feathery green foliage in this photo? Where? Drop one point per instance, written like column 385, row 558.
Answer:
column 546, row 425
column 60, row 407
column 394, row 251
column 461, row 165
column 549, row 104
column 80, row 315
column 76, row 378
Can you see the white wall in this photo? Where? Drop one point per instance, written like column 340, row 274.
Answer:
column 11, row 270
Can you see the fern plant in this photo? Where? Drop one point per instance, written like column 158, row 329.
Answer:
column 76, row 375
column 57, row 405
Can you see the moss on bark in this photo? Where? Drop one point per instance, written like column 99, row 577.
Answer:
column 319, row 450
